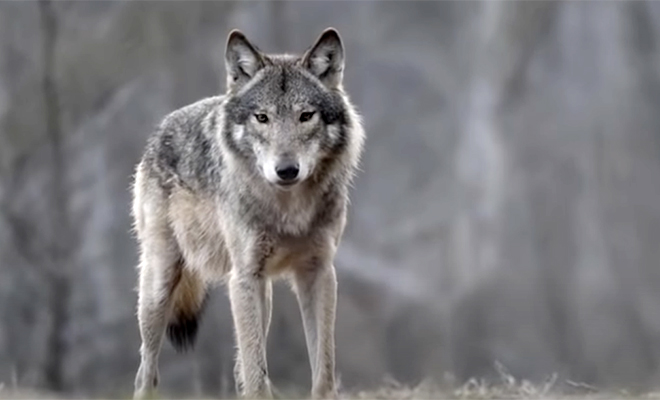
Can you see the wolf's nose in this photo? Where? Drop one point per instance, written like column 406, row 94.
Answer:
column 287, row 171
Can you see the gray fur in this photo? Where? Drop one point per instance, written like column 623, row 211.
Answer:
column 210, row 206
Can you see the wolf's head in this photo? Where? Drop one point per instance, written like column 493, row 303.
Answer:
column 286, row 116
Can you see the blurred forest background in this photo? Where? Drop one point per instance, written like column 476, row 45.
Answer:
column 508, row 209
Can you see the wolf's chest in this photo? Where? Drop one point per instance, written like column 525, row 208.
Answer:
column 285, row 257
column 295, row 216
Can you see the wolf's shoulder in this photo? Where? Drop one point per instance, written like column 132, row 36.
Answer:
column 191, row 116
column 181, row 149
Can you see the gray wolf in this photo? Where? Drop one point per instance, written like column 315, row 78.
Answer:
column 243, row 188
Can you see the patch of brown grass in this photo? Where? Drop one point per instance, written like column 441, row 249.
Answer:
column 508, row 387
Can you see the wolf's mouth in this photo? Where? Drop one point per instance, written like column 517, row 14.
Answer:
column 286, row 185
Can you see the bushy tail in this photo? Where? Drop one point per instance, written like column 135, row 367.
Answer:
column 189, row 301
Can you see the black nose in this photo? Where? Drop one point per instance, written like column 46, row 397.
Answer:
column 287, row 171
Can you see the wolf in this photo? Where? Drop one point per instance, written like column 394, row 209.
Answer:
column 243, row 188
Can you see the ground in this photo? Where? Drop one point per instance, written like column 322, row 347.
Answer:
column 508, row 387
column 473, row 390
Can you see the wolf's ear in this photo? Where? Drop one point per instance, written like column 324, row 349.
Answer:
column 325, row 59
column 242, row 59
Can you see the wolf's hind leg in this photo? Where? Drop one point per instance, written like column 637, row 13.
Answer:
column 160, row 272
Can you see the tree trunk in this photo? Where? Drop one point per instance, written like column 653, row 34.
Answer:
column 57, row 266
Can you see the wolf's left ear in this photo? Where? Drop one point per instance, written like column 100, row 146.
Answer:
column 242, row 59
column 325, row 59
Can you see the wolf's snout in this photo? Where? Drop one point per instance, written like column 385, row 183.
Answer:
column 287, row 171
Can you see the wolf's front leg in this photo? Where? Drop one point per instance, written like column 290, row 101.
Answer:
column 266, row 317
column 316, row 290
column 248, row 292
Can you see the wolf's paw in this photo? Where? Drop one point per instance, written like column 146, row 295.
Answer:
column 325, row 393
column 146, row 383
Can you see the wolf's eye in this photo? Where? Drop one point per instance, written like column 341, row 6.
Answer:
column 262, row 118
column 306, row 116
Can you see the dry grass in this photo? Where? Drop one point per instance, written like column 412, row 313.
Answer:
column 508, row 387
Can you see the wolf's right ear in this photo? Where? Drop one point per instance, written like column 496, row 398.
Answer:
column 242, row 59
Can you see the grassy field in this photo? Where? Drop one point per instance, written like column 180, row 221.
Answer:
column 473, row 392
column 507, row 388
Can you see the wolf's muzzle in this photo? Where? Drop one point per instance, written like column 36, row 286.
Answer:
column 287, row 172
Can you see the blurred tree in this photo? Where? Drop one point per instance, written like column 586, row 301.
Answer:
column 58, row 266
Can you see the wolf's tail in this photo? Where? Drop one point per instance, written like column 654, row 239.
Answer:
column 189, row 301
